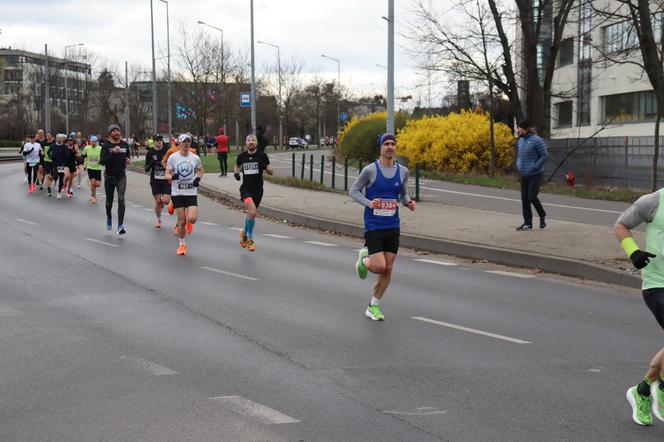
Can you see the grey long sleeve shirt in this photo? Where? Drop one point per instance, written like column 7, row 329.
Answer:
column 368, row 176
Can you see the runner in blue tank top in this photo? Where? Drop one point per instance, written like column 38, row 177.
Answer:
column 379, row 188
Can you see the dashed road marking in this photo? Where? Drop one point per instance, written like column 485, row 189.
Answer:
column 512, row 274
column 274, row 235
column 322, row 244
column 237, row 229
column 440, row 263
column 101, row 242
column 25, row 221
column 148, row 210
column 254, row 410
column 419, row 411
column 471, row 330
column 6, row 310
column 208, row 223
column 154, row 368
column 224, row 272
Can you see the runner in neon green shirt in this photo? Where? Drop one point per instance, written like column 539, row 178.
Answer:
column 92, row 155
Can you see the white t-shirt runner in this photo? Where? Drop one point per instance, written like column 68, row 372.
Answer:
column 185, row 167
column 32, row 158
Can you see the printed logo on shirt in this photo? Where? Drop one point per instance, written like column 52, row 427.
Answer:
column 185, row 169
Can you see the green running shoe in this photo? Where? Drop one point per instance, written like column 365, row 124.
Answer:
column 359, row 266
column 373, row 312
column 641, row 406
column 657, row 396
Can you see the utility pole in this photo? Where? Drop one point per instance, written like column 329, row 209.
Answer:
column 126, row 122
column 253, row 74
column 390, row 66
column 339, row 97
column 168, row 51
column 281, row 135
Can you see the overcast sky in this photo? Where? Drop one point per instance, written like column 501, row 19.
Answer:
column 119, row 30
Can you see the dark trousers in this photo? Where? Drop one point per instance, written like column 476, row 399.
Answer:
column 111, row 183
column 223, row 162
column 530, row 186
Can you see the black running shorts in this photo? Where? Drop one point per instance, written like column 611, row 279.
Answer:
column 255, row 194
column 94, row 174
column 654, row 299
column 382, row 241
column 160, row 187
column 180, row 201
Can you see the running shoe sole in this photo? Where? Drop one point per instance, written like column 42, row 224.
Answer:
column 655, row 392
column 362, row 274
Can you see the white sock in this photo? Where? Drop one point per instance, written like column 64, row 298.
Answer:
column 374, row 301
column 181, row 241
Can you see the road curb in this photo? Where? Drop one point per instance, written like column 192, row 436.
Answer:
column 547, row 263
column 498, row 255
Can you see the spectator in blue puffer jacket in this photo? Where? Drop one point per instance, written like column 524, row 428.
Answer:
column 531, row 156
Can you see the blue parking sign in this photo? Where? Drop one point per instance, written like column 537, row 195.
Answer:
column 245, row 99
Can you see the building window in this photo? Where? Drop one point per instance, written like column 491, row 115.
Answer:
column 622, row 36
column 566, row 53
column 633, row 107
column 564, row 112
column 584, row 86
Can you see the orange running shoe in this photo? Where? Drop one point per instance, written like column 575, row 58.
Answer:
column 243, row 239
column 182, row 249
column 171, row 209
column 251, row 246
column 189, row 227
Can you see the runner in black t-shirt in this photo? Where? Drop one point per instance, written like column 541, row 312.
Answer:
column 161, row 187
column 252, row 164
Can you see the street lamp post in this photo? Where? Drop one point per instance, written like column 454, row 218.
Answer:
column 47, row 101
column 253, row 73
column 66, row 88
column 339, row 98
column 390, row 66
column 154, row 74
column 221, row 52
column 168, row 52
column 281, row 135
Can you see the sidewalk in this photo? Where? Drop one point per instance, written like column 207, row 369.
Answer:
column 574, row 249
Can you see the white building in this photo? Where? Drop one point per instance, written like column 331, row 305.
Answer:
column 591, row 93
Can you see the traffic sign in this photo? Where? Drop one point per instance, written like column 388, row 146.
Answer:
column 245, row 99
column 343, row 116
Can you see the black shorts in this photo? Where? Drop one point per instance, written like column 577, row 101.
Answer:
column 47, row 167
column 654, row 299
column 160, row 187
column 94, row 174
column 180, row 201
column 255, row 194
column 71, row 167
column 382, row 241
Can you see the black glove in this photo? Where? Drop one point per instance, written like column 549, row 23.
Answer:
column 237, row 176
column 175, row 176
column 640, row 259
column 197, row 181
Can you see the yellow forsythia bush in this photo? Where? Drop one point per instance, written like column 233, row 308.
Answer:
column 458, row 142
column 359, row 139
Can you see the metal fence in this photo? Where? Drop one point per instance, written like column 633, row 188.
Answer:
column 608, row 161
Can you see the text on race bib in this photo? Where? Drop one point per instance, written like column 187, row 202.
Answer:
column 388, row 207
column 250, row 168
column 92, row 160
column 160, row 174
column 185, row 186
column 61, row 169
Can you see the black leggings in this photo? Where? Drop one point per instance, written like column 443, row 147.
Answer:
column 59, row 177
column 223, row 162
column 110, row 184
column 32, row 173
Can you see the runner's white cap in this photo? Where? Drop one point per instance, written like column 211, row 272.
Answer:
column 184, row 137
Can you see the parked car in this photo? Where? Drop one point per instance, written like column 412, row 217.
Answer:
column 297, row 143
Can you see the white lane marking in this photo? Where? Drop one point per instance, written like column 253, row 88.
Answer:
column 223, row 272
column 237, row 229
column 254, row 410
column 101, row 242
column 471, row 330
column 6, row 310
column 322, row 244
column 440, row 263
column 512, row 274
column 274, row 235
column 148, row 210
column 136, row 206
column 208, row 223
column 419, row 411
column 502, row 198
column 144, row 364
column 25, row 221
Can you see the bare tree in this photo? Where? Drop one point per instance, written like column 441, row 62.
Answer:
column 638, row 45
column 291, row 85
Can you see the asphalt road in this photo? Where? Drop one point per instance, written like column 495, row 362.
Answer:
column 561, row 207
column 117, row 338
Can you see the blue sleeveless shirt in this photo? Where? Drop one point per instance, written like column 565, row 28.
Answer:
column 388, row 191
